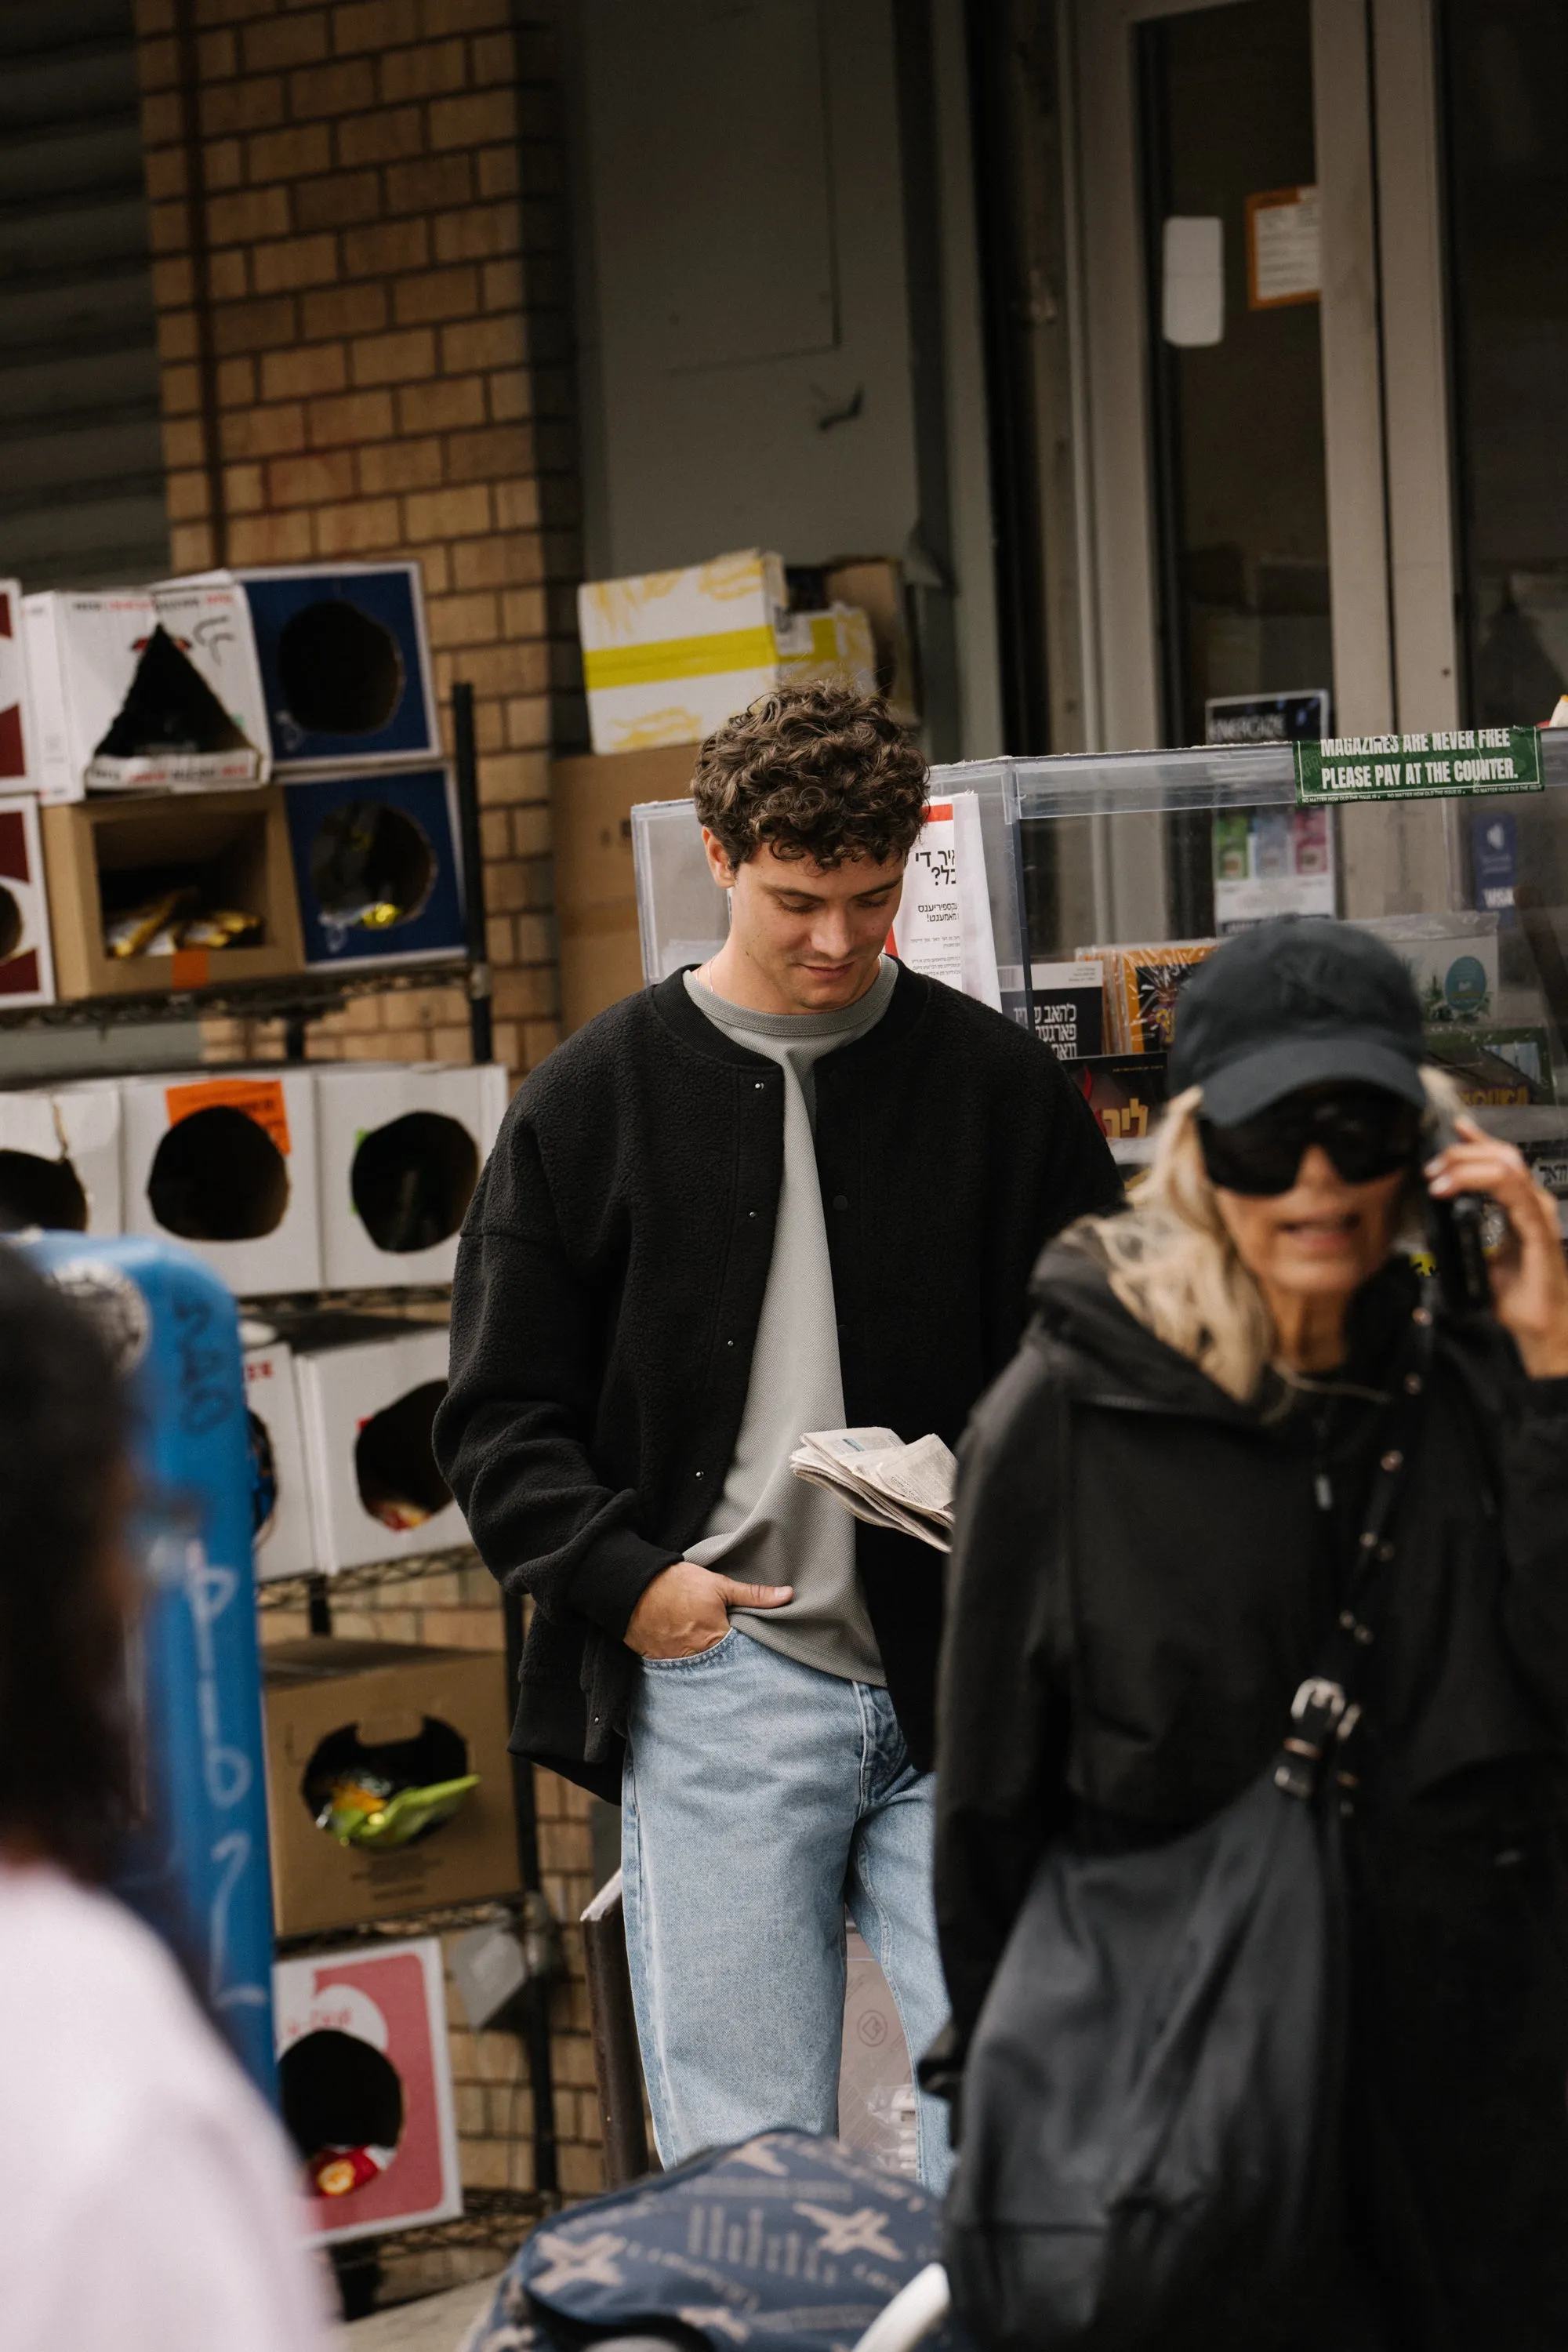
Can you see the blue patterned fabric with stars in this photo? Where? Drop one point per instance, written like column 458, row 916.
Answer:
column 787, row 2242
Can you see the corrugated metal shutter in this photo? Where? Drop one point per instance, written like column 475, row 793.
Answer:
column 81, row 463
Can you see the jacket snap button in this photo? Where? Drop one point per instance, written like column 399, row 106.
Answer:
column 1392, row 1459
column 1385, row 1552
column 841, row 1200
column 1412, row 1383
column 750, row 1213
column 759, row 1084
column 697, row 1473
column 729, row 1343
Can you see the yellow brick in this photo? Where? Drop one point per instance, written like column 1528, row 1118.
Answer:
column 447, row 514
column 329, row 90
column 228, row 274
column 432, row 71
column 456, row 620
column 500, row 284
column 267, row 326
column 435, row 294
column 243, row 489
column 509, row 396
column 340, row 200
column 373, row 25
column 401, row 465
column 428, row 185
column 164, row 171
column 482, row 343
column 236, row 383
column 224, row 163
column 356, row 529
column 307, row 369
column 172, row 286
column 186, row 494
column 522, row 613
column 535, row 938
column 228, row 107
column 350, row 417
column 465, row 16
column 495, row 58
column 271, row 539
column 393, row 358
column 289, row 155
column 477, row 233
column 508, row 776
column 263, row 432
column 582, row 2171
column 517, row 505
column 298, row 261
column 182, row 388
column 531, row 834
column 191, row 547
column 389, row 135
column 295, row 39
column 442, row 404
column 248, row 214
column 346, row 310
column 477, row 120
column 387, row 248
column 499, row 562
column 539, row 1038
column 496, row 172
column 483, row 2163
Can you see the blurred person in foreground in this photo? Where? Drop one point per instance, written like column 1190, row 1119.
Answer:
column 797, row 1187
column 1159, row 1504
column 146, row 2194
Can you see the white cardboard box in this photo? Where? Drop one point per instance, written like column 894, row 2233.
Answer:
column 26, row 955
column 285, row 1544
column 83, row 652
column 66, row 1174
column 390, row 1997
column 670, row 656
column 365, row 1406
column 19, row 757
column 400, row 1148
column 246, row 1201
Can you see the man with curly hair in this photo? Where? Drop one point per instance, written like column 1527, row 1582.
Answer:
column 799, row 1188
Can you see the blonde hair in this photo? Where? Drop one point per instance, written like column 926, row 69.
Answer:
column 1172, row 1262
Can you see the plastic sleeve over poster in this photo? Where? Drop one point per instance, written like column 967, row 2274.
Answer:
column 195, row 1865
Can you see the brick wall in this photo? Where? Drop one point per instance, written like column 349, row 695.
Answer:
column 359, row 269
column 361, row 286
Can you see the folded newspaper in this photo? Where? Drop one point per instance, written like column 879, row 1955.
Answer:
column 883, row 1481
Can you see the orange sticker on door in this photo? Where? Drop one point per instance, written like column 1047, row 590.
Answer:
column 259, row 1098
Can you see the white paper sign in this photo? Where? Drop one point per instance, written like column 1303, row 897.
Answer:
column 943, row 926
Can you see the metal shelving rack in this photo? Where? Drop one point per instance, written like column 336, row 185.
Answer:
column 491, row 2217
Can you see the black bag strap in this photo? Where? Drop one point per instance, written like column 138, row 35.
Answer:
column 1326, row 1709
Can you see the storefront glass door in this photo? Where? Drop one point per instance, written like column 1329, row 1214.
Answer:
column 1231, row 248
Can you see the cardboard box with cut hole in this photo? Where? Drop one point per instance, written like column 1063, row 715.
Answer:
column 280, row 1485
column 368, row 1393
column 363, row 2062
column 345, row 659
column 103, row 858
column 400, row 1146
column 137, row 690
column 59, row 1158
column 19, row 752
column 228, row 1165
column 26, row 956
column 591, row 804
column 373, row 1695
column 378, row 867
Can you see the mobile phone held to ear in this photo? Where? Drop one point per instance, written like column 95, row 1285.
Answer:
column 1456, row 1235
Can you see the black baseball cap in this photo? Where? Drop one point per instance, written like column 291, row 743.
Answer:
column 1296, row 1003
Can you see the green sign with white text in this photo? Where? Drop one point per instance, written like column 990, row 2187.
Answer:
column 1466, row 761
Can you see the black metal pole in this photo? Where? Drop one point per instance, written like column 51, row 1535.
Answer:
column 481, row 1026
column 535, row 2003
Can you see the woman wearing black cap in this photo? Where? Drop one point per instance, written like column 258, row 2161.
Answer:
column 1132, row 1609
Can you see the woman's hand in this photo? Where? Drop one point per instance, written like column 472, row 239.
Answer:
column 1528, row 1275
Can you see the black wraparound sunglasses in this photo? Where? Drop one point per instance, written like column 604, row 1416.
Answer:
column 1365, row 1131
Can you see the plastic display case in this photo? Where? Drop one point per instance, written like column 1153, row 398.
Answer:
column 684, row 917
column 1139, row 863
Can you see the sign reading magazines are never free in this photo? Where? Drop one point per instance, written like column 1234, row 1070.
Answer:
column 1466, row 760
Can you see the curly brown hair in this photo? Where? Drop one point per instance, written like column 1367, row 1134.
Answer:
column 817, row 771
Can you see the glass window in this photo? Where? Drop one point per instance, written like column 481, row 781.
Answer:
column 1505, row 68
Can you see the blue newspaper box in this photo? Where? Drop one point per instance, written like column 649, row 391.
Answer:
column 196, row 1865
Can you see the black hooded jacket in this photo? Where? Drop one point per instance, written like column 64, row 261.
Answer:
column 1140, row 1581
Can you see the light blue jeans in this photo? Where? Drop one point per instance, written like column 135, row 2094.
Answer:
column 760, row 1798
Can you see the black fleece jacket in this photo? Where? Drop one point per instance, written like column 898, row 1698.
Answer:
column 610, row 1282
